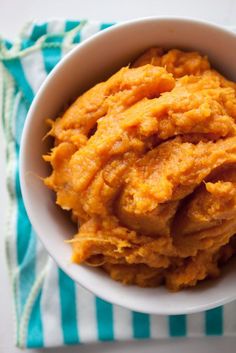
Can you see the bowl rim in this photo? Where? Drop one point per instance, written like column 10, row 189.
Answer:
column 23, row 153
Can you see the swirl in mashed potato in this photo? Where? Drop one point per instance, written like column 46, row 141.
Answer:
column 146, row 163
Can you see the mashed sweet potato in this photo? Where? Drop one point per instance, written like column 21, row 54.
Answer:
column 146, row 163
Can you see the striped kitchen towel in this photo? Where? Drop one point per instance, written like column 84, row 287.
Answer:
column 50, row 309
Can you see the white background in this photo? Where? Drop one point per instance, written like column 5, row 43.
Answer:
column 13, row 14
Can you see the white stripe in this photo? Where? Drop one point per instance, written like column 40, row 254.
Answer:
column 230, row 319
column 159, row 326
column 67, row 43
column 56, row 27
column 122, row 323
column 66, row 48
column 196, row 324
column 28, row 29
column 34, row 70
column 11, row 238
column 89, row 29
column 41, row 255
column 86, row 315
column 50, row 308
column 11, row 168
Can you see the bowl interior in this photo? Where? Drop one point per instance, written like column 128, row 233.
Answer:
column 89, row 63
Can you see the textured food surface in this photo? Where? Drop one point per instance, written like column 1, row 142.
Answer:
column 146, row 164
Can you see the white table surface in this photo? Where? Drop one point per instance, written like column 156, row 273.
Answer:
column 13, row 14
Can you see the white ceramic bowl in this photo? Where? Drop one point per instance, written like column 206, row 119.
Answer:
column 87, row 64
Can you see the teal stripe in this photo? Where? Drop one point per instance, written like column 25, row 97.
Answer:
column 106, row 25
column 77, row 38
column 54, row 38
column 177, row 325
column 38, row 31
column 27, row 272
column 141, row 325
column 26, row 43
column 22, row 111
column 104, row 314
column 15, row 68
column 3, row 100
column 35, row 327
column 26, row 241
column 214, row 321
column 68, row 309
column 51, row 57
column 71, row 25
column 8, row 44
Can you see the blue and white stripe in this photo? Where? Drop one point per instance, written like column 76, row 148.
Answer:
column 73, row 315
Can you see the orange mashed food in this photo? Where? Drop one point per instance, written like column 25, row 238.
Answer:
column 146, row 163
